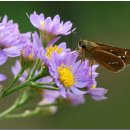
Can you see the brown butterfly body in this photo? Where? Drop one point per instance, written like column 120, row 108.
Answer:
column 112, row 58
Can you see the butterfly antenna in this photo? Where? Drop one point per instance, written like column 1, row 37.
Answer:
column 71, row 39
column 77, row 38
column 76, row 35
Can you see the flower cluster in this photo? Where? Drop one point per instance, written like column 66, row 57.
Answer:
column 11, row 40
column 48, row 69
column 50, row 28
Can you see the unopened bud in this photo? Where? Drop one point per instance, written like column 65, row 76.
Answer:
column 28, row 56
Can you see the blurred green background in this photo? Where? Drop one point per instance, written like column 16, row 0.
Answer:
column 106, row 22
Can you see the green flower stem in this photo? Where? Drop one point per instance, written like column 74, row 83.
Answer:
column 26, row 84
column 40, row 75
column 34, row 69
column 9, row 110
column 23, row 97
column 41, row 106
column 16, row 78
column 44, row 83
column 18, row 103
column 14, row 89
column 29, row 113
column 43, row 87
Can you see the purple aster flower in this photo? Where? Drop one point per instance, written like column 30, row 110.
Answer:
column 49, row 50
column 97, row 93
column 92, row 75
column 50, row 97
column 28, row 56
column 2, row 77
column 75, row 99
column 11, row 40
column 50, row 28
column 68, row 76
column 28, row 52
column 31, row 51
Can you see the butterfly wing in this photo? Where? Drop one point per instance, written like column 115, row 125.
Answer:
column 112, row 58
column 124, row 54
column 108, row 60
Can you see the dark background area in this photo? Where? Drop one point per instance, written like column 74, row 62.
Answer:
column 106, row 22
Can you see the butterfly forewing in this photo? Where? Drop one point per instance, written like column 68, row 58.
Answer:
column 108, row 60
column 124, row 54
column 113, row 58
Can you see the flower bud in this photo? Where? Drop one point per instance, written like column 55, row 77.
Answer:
column 28, row 56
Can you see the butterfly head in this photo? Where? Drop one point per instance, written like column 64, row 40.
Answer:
column 83, row 44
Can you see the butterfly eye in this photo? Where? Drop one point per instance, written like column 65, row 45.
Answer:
column 83, row 46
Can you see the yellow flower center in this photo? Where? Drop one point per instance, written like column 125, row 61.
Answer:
column 52, row 49
column 93, row 86
column 66, row 77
